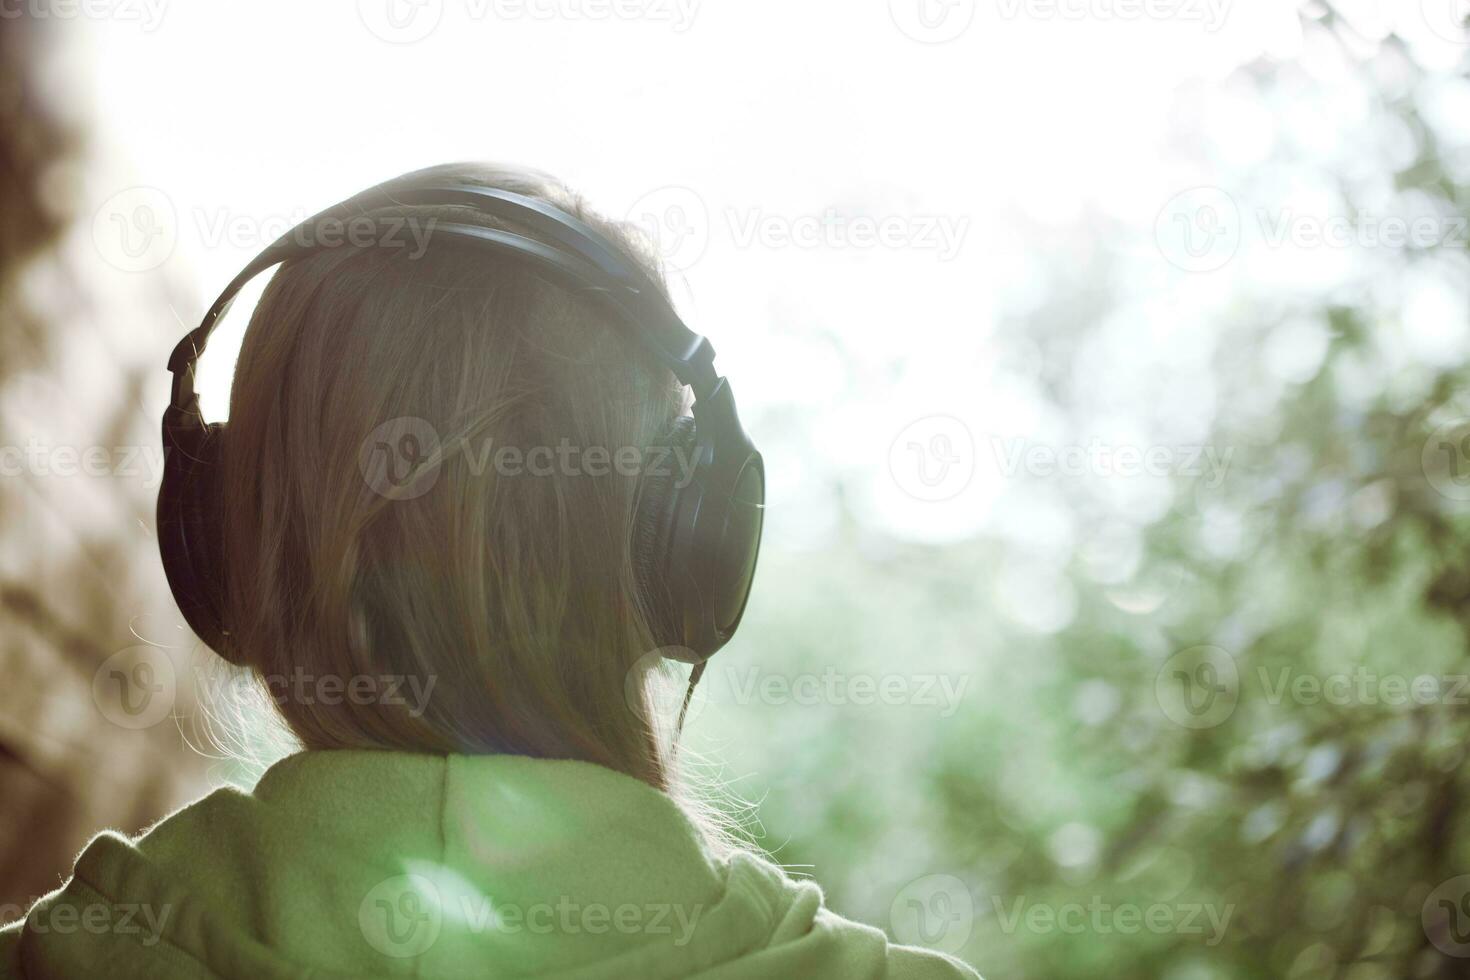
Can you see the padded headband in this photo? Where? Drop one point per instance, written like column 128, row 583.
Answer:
column 579, row 257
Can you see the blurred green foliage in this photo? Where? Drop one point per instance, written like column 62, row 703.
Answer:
column 1320, row 816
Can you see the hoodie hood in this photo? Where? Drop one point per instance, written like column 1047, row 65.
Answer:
column 385, row 864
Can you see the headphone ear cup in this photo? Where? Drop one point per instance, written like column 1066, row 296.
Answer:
column 191, row 530
column 653, row 524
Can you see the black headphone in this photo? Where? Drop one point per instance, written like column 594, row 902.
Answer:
column 695, row 545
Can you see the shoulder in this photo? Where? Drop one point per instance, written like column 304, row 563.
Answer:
column 10, row 950
column 806, row 938
column 913, row 963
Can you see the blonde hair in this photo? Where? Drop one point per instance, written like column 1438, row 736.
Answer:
column 515, row 593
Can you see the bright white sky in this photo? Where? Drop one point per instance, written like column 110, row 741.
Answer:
column 258, row 110
column 250, row 114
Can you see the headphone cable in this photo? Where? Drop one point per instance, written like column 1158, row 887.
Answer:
column 694, row 676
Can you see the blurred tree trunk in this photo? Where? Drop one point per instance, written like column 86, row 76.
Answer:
column 79, row 574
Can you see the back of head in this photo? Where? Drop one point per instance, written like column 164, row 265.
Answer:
column 425, row 478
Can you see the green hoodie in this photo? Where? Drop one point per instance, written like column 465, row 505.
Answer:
column 383, row 864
